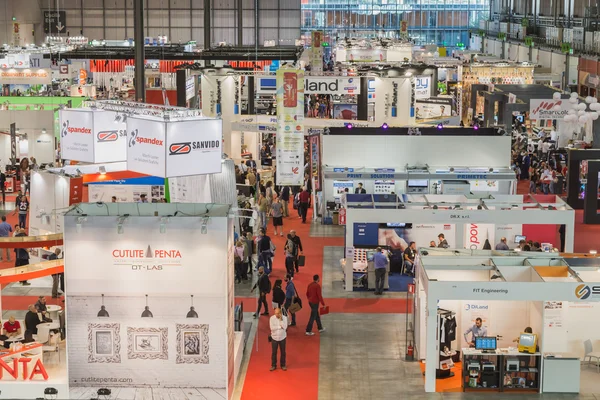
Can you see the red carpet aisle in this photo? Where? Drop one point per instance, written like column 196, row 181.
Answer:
column 301, row 380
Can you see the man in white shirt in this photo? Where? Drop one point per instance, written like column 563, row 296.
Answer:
column 546, row 178
column 278, row 324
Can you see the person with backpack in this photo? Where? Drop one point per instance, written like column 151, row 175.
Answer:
column 264, row 288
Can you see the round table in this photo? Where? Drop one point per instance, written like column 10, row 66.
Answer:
column 53, row 311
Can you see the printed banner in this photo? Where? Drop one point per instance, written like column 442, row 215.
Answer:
column 422, row 87
column 544, row 109
column 42, row 76
column 76, row 135
column 326, row 85
column 290, row 127
column 315, row 160
column 316, row 59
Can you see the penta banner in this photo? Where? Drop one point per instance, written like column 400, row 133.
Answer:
column 544, row 109
column 290, row 127
column 326, row 85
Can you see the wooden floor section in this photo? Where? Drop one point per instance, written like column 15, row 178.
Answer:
column 150, row 393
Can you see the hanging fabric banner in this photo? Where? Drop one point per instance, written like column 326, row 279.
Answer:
column 290, row 127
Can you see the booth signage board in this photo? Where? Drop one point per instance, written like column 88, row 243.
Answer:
column 110, row 138
column 422, row 87
column 55, row 22
column 77, row 135
column 17, row 61
column 175, row 148
column 544, row 109
column 449, row 121
column 328, row 85
column 190, row 87
column 266, row 85
column 40, row 76
column 194, row 147
column 290, row 127
column 433, row 108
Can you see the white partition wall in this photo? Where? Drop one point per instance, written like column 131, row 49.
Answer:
column 142, row 310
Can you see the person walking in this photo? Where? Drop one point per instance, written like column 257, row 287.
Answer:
column 289, row 255
column 297, row 250
column 238, row 260
column 5, row 230
column 3, row 186
column 265, row 249
column 278, row 294
column 291, row 296
column 314, row 296
column 250, row 249
column 263, row 207
column 264, row 287
column 277, row 214
column 55, row 277
column 304, row 199
column 278, row 324
column 285, row 199
column 381, row 262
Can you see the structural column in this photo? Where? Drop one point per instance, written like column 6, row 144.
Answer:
column 140, row 56
column 251, row 95
column 363, row 100
column 207, row 25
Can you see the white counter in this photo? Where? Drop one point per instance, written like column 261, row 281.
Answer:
column 561, row 373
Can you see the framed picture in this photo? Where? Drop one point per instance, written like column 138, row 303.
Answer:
column 192, row 344
column 104, row 343
column 147, row 343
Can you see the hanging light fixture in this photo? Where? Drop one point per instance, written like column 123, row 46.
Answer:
column 192, row 313
column 147, row 313
column 103, row 312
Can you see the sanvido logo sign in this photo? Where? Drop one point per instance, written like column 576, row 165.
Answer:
column 203, row 146
column 584, row 292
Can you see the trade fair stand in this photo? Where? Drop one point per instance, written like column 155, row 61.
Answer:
column 142, row 305
column 529, row 307
column 464, row 221
column 414, row 164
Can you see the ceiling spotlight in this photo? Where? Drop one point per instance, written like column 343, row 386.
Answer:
column 78, row 224
column 118, row 118
column 102, row 170
column 124, row 118
column 147, row 313
column 120, row 229
column 17, row 131
column 408, row 73
column 43, row 130
column 103, row 313
column 451, row 169
column 104, row 392
column 384, row 126
column 192, row 313
column 495, row 276
column 440, row 126
column 50, row 393
column 491, row 169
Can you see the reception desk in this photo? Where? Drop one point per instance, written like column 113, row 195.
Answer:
column 561, row 373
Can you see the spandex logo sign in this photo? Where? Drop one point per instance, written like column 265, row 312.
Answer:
column 66, row 129
column 204, row 146
column 135, row 138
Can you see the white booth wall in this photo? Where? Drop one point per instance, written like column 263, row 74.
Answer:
column 399, row 151
column 38, row 144
column 140, row 267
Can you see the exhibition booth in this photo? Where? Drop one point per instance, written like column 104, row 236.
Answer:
column 491, row 321
column 415, row 164
column 142, row 311
column 464, row 221
column 30, row 365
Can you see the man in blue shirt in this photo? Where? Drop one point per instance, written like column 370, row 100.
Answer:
column 380, row 261
column 291, row 296
column 5, row 230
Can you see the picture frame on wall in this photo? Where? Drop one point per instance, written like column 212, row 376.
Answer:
column 147, row 343
column 104, row 343
column 192, row 344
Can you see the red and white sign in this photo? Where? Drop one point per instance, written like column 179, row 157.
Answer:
column 544, row 109
column 342, row 216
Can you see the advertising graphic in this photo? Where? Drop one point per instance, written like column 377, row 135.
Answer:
column 290, row 127
column 76, row 138
column 325, row 85
column 145, row 146
column 422, row 87
column 544, row 109
column 42, row 76
column 316, row 52
column 433, row 108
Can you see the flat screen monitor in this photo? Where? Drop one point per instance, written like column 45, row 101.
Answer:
column 485, row 343
column 518, row 238
column 417, row 182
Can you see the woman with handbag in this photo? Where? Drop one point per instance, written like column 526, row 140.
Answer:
column 293, row 304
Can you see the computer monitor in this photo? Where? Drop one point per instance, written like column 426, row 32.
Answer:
column 518, row 238
column 485, row 343
column 527, row 343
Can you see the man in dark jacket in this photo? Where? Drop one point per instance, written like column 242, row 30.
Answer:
column 285, row 198
column 298, row 248
column 32, row 320
column 264, row 287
